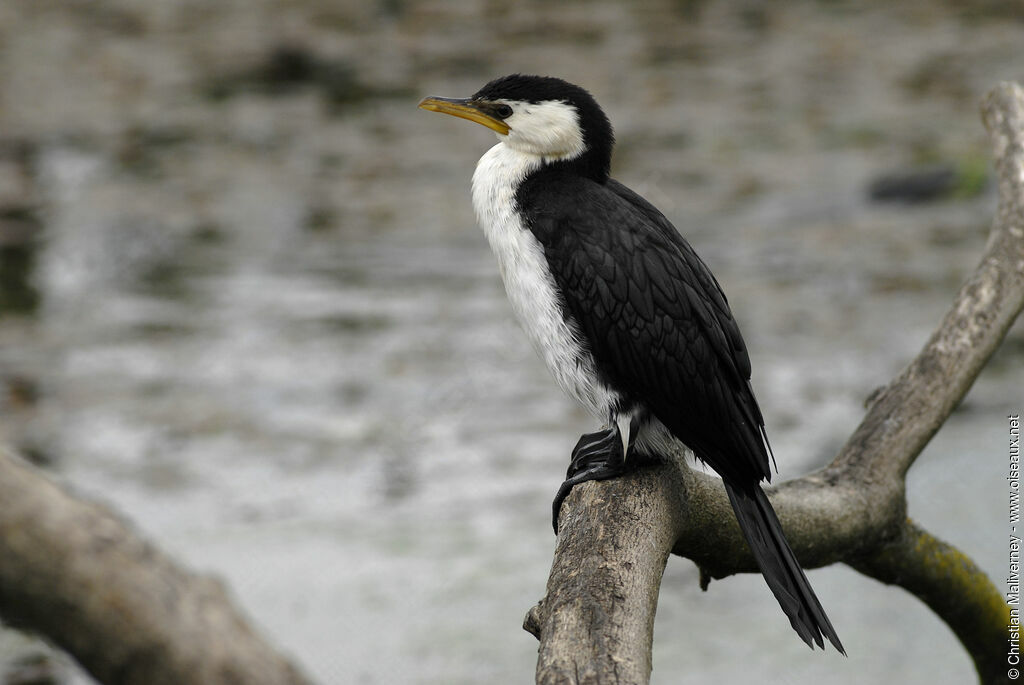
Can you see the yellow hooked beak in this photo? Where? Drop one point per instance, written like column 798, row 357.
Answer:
column 464, row 108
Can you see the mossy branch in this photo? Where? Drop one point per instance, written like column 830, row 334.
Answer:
column 952, row 586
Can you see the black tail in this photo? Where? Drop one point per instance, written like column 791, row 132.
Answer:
column 781, row 570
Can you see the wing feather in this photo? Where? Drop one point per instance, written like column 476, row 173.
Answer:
column 655, row 318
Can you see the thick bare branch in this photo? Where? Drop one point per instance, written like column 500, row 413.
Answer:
column 600, row 601
column 854, row 510
column 76, row 573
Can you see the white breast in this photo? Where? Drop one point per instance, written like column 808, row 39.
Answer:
column 528, row 281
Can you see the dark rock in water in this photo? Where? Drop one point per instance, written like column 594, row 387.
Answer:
column 914, row 187
column 288, row 68
column 20, row 234
column 289, row 64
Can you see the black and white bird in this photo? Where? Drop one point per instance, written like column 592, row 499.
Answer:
column 626, row 316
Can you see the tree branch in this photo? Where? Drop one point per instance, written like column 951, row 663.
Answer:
column 905, row 416
column 953, row 587
column 76, row 573
column 600, row 597
column 853, row 510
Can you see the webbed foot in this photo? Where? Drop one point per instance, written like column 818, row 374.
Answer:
column 597, row 456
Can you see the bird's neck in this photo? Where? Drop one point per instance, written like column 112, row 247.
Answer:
column 527, row 275
column 497, row 177
column 504, row 167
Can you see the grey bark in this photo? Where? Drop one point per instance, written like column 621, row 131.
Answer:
column 74, row 572
column 595, row 623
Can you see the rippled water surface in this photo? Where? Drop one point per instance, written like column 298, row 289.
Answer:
column 244, row 301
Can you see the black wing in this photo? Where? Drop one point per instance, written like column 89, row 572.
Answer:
column 653, row 315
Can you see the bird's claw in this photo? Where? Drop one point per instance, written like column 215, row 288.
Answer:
column 597, row 456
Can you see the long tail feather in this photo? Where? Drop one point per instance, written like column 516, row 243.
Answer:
column 779, row 565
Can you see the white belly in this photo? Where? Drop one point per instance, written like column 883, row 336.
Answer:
column 528, row 281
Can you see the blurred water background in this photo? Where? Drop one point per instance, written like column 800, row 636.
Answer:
column 243, row 299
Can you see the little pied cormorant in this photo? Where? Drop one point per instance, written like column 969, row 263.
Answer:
column 627, row 317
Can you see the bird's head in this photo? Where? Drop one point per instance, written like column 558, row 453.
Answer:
column 539, row 115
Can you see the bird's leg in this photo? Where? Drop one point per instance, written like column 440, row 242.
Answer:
column 593, row 449
column 597, row 456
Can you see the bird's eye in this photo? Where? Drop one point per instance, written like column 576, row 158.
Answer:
column 503, row 111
